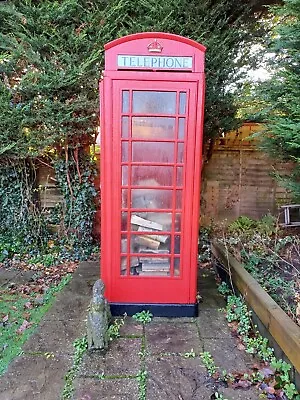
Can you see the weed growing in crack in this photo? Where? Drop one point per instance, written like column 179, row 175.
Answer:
column 80, row 346
column 209, row 363
column 144, row 317
column 219, row 396
column 114, row 328
column 142, row 379
column 189, row 354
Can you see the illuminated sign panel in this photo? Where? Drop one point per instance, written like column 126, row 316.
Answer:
column 155, row 62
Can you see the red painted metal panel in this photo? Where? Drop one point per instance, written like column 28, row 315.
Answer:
column 137, row 44
column 153, row 144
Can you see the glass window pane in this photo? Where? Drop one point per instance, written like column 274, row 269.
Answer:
column 177, row 239
column 177, row 266
column 124, row 243
column 179, row 176
column 181, row 128
column 135, row 266
column 124, row 221
column 151, row 198
column 153, row 128
column 153, row 152
column 124, row 175
column 124, row 198
column 150, row 243
column 152, row 176
column 179, row 199
column 151, row 266
column 125, row 101
column 125, row 151
column 151, row 222
column 182, row 102
column 178, row 222
column 123, row 270
column 154, row 102
column 180, row 154
column 125, row 127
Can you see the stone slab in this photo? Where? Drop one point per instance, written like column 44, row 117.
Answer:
column 131, row 328
column 121, row 359
column 213, row 324
column 73, row 301
column 239, row 394
column 210, row 300
column 89, row 268
column 177, row 378
column 7, row 275
column 227, row 356
column 69, row 306
column 55, row 336
column 34, row 378
column 165, row 337
column 111, row 389
column 172, row 320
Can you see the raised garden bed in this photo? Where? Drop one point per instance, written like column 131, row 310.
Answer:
column 272, row 319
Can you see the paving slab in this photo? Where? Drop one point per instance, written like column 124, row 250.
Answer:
column 165, row 337
column 15, row 276
column 227, row 356
column 211, row 298
column 111, row 389
column 122, row 359
column 131, row 328
column 70, row 306
column 35, row 378
column 55, row 336
column 177, row 378
column 73, row 301
column 172, row 320
column 7, row 275
column 239, row 394
column 212, row 324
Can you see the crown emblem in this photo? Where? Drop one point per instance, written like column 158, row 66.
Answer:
column 155, row 47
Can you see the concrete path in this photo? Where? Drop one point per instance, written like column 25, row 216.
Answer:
column 152, row 362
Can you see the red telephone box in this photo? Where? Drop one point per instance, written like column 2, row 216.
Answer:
column 152, row 102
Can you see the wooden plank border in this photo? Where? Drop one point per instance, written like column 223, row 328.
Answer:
column 282, row 328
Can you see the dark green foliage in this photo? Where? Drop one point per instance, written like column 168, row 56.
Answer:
column 78, row 207
column 281, row 95
column 51, row 57
column 272, row 260
column 22, row 227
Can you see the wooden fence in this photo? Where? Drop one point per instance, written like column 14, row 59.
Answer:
column 239, row 179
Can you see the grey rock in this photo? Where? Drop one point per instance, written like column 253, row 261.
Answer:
column 39, row 301
column 98, row 319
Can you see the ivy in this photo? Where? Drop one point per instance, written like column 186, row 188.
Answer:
column 79, row 204
column 22, row 227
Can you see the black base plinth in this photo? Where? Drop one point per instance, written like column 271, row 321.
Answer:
column 158, row 310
